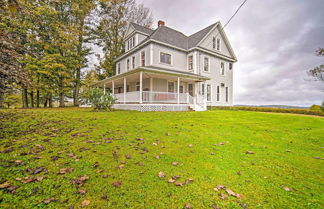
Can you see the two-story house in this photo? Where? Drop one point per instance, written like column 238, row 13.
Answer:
column 165, row 70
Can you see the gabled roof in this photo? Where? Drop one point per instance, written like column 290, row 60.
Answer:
column 195, row 38
column 142, row 29
column 169, row 36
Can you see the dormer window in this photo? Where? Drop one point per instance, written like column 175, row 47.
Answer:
column 131, row 43
column 214, row 43
column 165, row 58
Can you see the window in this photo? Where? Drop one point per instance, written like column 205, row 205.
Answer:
column 217, row 94
column 190, row 62
column 208, row 91
column 222, row 68
column 133, row 62
column 128, row 45
column 202, row 89
column 230, row 66
column 181, row 89
column 127, row 64
column 118, row 68
column 165, row 58
column 214, row 43
column 143, row 58
column 127, row 88
column 218, row 44
column 170, row 86
column 133, row 41
column 226, row 92
column 137, row 86
column 206, row 64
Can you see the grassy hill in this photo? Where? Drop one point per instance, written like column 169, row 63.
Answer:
column 58, row 158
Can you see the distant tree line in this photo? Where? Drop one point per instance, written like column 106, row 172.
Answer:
column 45, row 45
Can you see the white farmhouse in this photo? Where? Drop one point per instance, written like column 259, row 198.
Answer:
column 165, row 70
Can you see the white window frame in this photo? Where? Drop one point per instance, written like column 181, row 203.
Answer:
column 173, row 86
column 210, row 92
column 143, row 52
column 230, row 66
column 192, row 66
column 118, row 68
column 171, row 61
column 133, row 62
column 218, row 46
column 208, row 70
column 218, row 93
column 222, row 69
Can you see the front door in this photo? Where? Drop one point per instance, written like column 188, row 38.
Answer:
column 190, row 89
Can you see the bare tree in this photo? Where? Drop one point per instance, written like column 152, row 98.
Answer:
column 318, row 72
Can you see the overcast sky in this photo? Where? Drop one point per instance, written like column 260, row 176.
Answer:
column 274, row 41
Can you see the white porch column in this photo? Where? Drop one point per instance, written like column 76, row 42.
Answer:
column 104, row 88
column 141, row 87
column 113, row 87
column 124, row 90
column 178, row 90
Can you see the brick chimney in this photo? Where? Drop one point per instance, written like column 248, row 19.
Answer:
column 161, row 23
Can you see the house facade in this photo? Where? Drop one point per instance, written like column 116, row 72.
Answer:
column 165, row 70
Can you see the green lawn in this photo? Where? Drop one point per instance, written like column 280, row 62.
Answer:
column 288, row 152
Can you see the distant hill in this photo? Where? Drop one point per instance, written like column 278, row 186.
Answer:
column 275, row 106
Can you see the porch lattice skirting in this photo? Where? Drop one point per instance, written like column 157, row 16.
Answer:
column 152, row 107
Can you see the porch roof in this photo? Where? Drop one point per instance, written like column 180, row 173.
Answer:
column 155, row 70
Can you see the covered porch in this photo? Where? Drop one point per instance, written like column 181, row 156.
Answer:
column 151, row 88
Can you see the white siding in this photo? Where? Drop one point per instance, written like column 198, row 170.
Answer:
column 216, row 79
column 208, row 42
column 178, row 58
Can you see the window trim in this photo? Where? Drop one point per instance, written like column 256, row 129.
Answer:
column 190, row 69
column 208, row 70
column 171, row 61
column 218, row 93
column 143, row 60
column 127, row 64
column 210, row 92
column 168, row 81
column 133, row 62
column 118, row 68
column 221, row 69
column 218, row 44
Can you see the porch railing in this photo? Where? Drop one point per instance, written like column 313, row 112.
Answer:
column 154, row 97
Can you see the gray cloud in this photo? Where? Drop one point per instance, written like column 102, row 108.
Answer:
column 273, row 40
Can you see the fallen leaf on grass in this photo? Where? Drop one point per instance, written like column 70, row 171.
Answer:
column 5, row 184
column 222, row 196
column 96, row 164
column 249, row 152
column 65, row 170
column 171, row 180
column 28, row 179
column 85, row 203
column 82, row 191
column 161, row 174
column 230, row 192
column 178, row 183
column 215, row 206
column 188, row 181
column 48, row 200
column 117, row 184
column 175, row 163
column 287, row 189
column 19, row 162
column 188, row 206
column 79, row 181
column 128, row 156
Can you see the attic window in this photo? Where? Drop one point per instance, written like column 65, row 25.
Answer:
column 218, row 43
column 214, row 43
